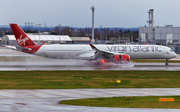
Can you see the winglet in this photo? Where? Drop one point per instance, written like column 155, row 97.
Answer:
column 44, row 43
column 92, row 46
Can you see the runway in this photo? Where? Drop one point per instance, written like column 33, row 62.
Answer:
column 47, row 100
column 11, row 60
column 60, row 65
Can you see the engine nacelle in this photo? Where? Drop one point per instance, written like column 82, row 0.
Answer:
column 121, row 58
column 116, row 59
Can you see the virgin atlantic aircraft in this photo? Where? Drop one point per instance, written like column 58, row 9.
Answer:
column 99, row 53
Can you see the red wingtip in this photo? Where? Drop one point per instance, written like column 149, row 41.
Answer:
column 44, row 43
column 92, row 46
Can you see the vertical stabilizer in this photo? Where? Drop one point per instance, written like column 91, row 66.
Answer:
column 21, row 38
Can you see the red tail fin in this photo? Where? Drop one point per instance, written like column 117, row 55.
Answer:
column 21, row 38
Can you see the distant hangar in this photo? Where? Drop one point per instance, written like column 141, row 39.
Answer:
column 160, row 35
column 165, row 35
column 49, row 39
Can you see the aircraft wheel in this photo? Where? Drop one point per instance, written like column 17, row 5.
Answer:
column 167, row 64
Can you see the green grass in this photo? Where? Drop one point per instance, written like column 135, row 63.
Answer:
column 88, row 79
column 153, row 61
column 14, row 58
column 127, row 102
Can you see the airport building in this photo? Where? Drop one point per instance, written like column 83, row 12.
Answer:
column 167, row 35
column 119, row 40
column 159, row 35
column 48, row 39
column 80, row 40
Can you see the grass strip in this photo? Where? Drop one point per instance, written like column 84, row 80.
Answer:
column 88, row 79
column 127, row 102
column 153, row 61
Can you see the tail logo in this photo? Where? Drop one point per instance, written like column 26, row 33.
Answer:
column 21, row 41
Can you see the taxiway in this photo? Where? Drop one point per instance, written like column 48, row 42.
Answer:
column 47, row 100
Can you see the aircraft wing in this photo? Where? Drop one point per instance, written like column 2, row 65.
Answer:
column 100, row 52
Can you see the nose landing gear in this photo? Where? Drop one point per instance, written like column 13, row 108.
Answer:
column 167, row 62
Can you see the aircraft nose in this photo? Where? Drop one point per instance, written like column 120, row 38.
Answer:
column 175, row 55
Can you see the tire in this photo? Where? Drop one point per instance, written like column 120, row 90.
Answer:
column 167, row 64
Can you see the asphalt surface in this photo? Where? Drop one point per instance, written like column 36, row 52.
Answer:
column 47, row 100
column 22, row 61
column 80, row 65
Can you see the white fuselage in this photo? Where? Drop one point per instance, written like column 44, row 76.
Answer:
column 67, row 51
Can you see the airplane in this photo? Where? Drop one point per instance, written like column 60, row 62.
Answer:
column 99, row 53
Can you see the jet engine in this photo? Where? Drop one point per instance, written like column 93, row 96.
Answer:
column 115, row 59
column 121, row 58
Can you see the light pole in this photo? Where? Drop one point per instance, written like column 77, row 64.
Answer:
column 76, row 33
column 39, row 32
column 36, row 29
column 119, row 38
column 101, row 33
column 93, row 9
column 160, row 39
column 59, row 33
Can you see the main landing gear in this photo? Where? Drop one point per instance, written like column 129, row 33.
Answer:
column 167, row 62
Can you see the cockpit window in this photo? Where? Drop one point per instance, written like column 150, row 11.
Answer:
column 171, row 50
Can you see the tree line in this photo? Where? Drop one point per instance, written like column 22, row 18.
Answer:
column 99, row 33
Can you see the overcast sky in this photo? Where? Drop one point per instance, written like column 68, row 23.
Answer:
column 77, row 13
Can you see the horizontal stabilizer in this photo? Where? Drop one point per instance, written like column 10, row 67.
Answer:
column 22, row 48
column 11, row 47
column 17, row 47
